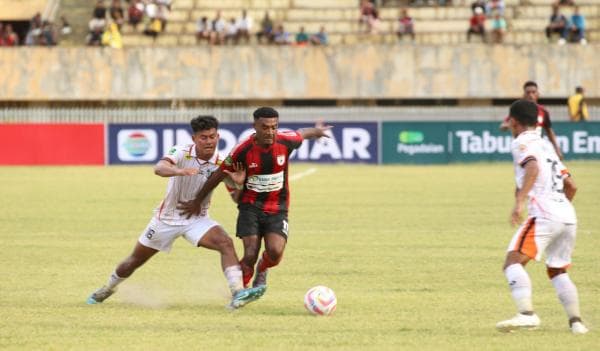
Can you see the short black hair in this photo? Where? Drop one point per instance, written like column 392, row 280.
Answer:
column 204, row 123
column 579, row 90
column 265, row 112
column 529, row 83
column 524, row 111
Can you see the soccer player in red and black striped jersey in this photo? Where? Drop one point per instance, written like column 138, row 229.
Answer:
column 531, row 93
column 263, row 194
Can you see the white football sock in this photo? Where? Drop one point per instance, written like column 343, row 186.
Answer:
column 233, row 274
column 520, row 287
column 114, row 280
column 567, row 294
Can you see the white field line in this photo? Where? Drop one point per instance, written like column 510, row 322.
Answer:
column 302, row 174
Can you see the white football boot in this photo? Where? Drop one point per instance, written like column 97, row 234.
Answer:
column 578, row 328
column 520, row 321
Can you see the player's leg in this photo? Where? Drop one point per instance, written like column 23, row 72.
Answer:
column 275, row 228
column 215, row 238
column 559, row 259
column 522, row 248
column 271, row 256
column 247, row 229
column 140, row 255
column 157, row 236
column 251, row 249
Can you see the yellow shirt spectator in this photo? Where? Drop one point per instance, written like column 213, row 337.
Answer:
column 578, row 110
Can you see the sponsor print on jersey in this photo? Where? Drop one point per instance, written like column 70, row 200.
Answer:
column 262, row 183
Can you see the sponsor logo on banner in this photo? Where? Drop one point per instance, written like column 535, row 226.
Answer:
column 411, row 142
column 348, row 142
column 137, row 145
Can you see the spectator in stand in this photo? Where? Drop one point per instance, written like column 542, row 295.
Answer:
column 244, row 25
column 203, row 30
column 65, row 28
column 163, row 11
column 112, row 37
column 405, row 25
column 136, row 13
column 301, row 37
column 154, row 28
column 117, row 14
column 495, row 6
column 577, row 27
column 498, row 28
column 477, row 24
column 558, row 24
column 99, row 10
column 231, row 32
column 367, row 14
column 8, row 37
column 96, row 26
column 34, row 33
column 266, row 29
column 217, row 35
column 280, row 36
column 478, row 4
column 48, row 37
column 319, row 38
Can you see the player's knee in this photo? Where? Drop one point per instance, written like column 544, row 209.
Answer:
column 275, row 254
column 224, row 244
column 553, row 272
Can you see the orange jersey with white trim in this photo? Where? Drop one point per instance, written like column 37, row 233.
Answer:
column 546, row 198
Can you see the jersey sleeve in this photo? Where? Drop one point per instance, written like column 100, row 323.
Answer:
column 522, row 153
column 175, row 154
column 293, row 139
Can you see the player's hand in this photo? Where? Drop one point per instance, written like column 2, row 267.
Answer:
column 238, row 176
column 189, row 208
column 188, row 171
column 323, row 130
column 515, row 216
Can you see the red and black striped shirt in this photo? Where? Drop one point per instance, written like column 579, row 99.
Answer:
column 266, row 185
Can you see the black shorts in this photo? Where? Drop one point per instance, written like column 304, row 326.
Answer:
column 253, row 221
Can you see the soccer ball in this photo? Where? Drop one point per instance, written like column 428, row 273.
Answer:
column 320, row 300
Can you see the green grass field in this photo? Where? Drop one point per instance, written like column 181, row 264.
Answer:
column 414, row 254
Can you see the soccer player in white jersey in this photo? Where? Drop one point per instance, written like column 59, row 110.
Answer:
column 188, row 167
column 550, row 227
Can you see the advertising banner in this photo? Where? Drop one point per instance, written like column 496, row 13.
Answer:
column 51, row 144
column 443, row 142
column 147, row 143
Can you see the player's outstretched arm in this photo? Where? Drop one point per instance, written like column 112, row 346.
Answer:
column 320, row 130
column 165, row 168
column 193, row 207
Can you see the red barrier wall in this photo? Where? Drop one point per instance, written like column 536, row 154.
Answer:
column 51, row 144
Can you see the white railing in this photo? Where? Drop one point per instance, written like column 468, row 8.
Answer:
column 244, row 114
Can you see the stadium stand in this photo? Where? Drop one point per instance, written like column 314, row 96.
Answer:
column 433, row 24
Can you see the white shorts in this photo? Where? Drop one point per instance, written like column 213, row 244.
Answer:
column 538, row 235
column 160, row 236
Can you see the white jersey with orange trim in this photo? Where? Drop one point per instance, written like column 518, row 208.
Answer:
column 546, row 198
column 184, row 188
